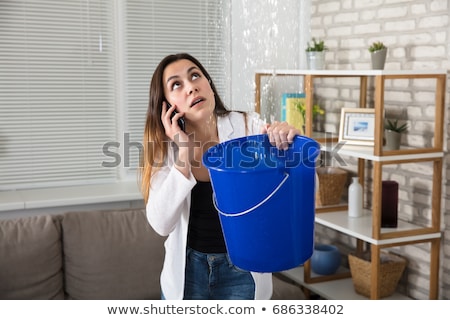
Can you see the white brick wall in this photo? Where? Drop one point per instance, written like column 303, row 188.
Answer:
column 418, row 36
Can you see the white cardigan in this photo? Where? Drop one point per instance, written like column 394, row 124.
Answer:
column 168, row 210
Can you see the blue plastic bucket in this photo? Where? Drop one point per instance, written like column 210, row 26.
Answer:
column 265, row 198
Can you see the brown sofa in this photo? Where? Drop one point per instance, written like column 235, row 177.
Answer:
column 87, row 255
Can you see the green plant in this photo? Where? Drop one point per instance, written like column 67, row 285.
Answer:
column 316, row 45
column 395, row 126
column 376, row 46
column 300, row 106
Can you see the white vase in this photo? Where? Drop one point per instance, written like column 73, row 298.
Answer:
column 355, row 199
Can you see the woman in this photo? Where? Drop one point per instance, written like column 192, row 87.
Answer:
column 176, row 186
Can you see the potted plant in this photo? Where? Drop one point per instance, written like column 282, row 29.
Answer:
column 315, row 54
column 378, row 53
column 392, row 134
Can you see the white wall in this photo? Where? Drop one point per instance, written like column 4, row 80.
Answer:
column 267, row 34
column 417, row 34
column 271, row 34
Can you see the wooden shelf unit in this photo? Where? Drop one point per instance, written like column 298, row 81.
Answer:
column 367, row 230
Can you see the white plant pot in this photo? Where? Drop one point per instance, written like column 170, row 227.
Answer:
column 315, row 60
column 392, row 140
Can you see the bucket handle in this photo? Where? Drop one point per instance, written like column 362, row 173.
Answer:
column 286, row 176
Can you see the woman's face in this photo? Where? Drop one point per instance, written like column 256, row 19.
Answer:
column 187, row 88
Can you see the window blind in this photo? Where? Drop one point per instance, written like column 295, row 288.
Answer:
column 157, row 28
column 57, row 87
column 59, row 81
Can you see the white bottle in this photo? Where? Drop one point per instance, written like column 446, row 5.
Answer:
column 355, row 199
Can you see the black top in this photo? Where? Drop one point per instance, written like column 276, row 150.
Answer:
column 204, row 232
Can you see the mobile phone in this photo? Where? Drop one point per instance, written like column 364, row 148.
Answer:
column 181, row 122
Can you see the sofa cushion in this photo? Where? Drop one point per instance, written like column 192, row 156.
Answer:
column 31, row 259
column 111, row 255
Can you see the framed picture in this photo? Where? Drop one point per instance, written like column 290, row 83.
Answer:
column 357, row 126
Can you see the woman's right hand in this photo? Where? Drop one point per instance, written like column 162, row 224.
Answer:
column 172, row 129
column 179, row 137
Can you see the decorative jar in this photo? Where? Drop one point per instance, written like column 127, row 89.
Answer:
column 326, row 259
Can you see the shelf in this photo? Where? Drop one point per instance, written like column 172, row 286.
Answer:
column 361, row 228
column 349, row 73
column 323, row 136
column 341, row 289
column 367, row 229
column 367, row 153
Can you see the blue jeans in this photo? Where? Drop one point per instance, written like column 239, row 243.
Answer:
column 214, row 277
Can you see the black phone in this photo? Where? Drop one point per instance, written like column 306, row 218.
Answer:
column 181, row 122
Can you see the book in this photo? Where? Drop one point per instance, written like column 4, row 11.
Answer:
column 289, row 112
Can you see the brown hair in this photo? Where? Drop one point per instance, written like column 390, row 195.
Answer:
column 155, row 142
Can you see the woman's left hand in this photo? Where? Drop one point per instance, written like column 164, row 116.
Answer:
column 281, row 134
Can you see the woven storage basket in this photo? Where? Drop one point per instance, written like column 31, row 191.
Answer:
column 391, row 270
column 331, row 184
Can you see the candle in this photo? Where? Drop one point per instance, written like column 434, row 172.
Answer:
column 389, row 204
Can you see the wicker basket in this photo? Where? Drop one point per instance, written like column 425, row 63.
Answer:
column 391, row 270
column 331, row 185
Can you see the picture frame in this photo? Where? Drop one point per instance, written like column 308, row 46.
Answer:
column 357, row 126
